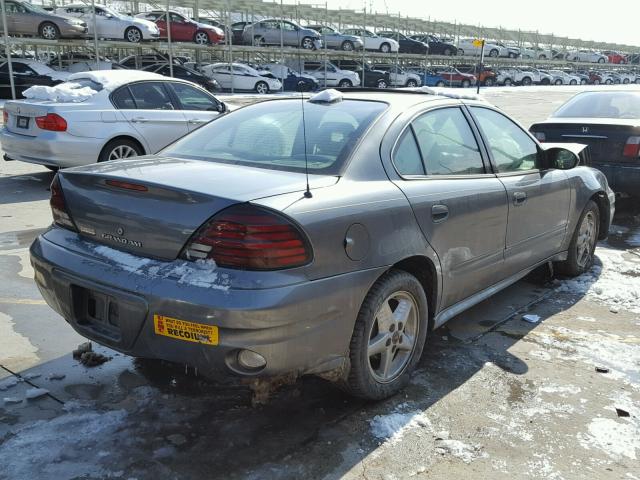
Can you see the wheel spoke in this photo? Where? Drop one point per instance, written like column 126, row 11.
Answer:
column 402, row 311
column 407, row 343
column 385, row 362
column 378, row 344
column 385, row 317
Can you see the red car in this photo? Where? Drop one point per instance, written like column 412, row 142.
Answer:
column 455, row 78
column 184, row 29
column 615, row 57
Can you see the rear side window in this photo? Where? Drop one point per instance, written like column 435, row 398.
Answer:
column 192, row 98
column 447, row 143
column 122, row 99
column 407, row 157
column 151, row 96
column 512, row 149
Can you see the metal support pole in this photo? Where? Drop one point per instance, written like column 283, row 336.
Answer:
column 7, row 50
column 282, row 43
column 168, row 22
column 326, row 12
column 95, row 34
column 480, row 67
column 364, row 27
column 229, row 44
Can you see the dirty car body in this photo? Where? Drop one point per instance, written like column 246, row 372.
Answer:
column 403, row 187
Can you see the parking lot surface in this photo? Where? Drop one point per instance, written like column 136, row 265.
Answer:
column 540, row 381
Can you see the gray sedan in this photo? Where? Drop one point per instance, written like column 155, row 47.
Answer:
column 276, row 32
column 221, row 252
column 24, row 18
column 334, row 39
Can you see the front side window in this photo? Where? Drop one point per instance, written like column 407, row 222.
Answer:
column 288, row 26
column 270, row 135
column 151, row 96
column 512, row 149
column 447, row 143
column 192, row 98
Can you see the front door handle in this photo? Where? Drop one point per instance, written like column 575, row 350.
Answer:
column 519, row 198
column 139, row 120
column 439, row 213
column 196, row 120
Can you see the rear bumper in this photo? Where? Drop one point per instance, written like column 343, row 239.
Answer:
column 300, row 328
column 50, row 148
column 622, row 178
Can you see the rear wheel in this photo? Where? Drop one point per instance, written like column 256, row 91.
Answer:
column 596, row 82
column 558, row 82
column 526, row 81
column 601, row 60
column 347, row 46
column 489, row 82
column 133, row 35
column 573, row 82
column 494, row 53
column 49, row 31
column 201, row 38
column 440, row 84
column 608, row 81
column 118, row 149
column 388, row 337
column 508, row 82
column 626, row 80
column 583, row 243
column 262, row 88
column 583, row 81
column 382, row 83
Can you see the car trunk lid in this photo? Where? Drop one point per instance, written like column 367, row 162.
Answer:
column 151, row 206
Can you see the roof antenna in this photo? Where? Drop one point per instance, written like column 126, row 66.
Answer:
column 302, row 87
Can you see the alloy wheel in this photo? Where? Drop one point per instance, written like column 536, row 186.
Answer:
column 307, row 43
column 392, row 337
column 262, row 88
column 122, row 151
column 347, row 46
column 385, row 48
column 586, row 240
column 133, row 35
column 201, row 38
column 49, row 32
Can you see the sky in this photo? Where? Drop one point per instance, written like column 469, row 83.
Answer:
column 613, row 21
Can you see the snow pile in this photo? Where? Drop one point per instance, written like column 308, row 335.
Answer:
column 112, row 79
column 52, row 446
column 616, row 438
column 34, row 393
column 458, row 449
column 65, row 92
column 329, row 95
column 393, row 426
column 8, row 383
column 201, row 273
column 615, row 283
column 42, row 69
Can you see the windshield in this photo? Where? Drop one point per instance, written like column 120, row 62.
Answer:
column 35, row 8
column 270, row 135
column 42, row 69
column 602, row 105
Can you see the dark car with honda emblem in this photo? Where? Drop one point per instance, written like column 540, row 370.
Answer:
column 609, row 123
column 320, row 235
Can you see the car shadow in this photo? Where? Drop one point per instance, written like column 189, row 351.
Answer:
column 24, row 188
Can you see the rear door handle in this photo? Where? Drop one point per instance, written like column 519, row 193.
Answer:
column 439, row 213
column 139, row 120
column 519, row 198
column 196, row 120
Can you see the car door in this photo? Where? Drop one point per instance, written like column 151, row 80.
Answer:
column 155, row 116
column 197, row 106
column 108, row 26
column 17, row 18
column 539, row 200
column 458, row 202
column 181, row 29
column 222, row 75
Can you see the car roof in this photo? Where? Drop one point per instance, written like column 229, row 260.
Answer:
column 405, row 97
column 113, row 79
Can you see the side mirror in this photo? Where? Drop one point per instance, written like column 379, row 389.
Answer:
column 222, row 107
column 560, row 158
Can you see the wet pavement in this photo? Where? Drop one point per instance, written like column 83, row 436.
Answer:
column 494, row 395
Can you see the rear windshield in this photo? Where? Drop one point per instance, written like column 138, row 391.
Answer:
column 270, row 135
column 602, row 105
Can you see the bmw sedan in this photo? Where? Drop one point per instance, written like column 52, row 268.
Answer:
column 609, row 123
column 325, row 236
column 103, row 115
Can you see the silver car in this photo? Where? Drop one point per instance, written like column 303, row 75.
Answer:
column 332, row 38
column 25, row 18
column 327, row 236
column 275, row 32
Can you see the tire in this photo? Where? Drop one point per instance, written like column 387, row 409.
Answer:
column 583, row 81
column 508, row 82
column 133, row 35
column 201, row 38
column 385, row 48
column 49, row 31
column 494, row 53
column 596, row 82
column 461, row 52
column 466, row 84
column 345, row 83
column 262, row 88
column 583, row 243
column 512, row 55
column 400, row 340
column 382, row 83
column 120, row 148
column 489, row 82
column 545, row 81
column 412, row 83
column 608, row 81
column 625, row 81
column 542, row 57
column 558, row 82
column 573, row 82
column 440, row 84
column 601, row 60
column 447, row 52
column 307, row 43
column 347, row 46
column 526, row 81
column 258, row 41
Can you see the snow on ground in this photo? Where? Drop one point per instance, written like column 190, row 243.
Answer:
column 613, row 283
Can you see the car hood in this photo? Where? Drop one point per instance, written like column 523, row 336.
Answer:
column 206, row 26
column 143, row 23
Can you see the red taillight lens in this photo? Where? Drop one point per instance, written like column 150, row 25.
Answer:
column 250, row 238
column 58, row 207
column 53, row 122
column 5, row 117
column 632, row 147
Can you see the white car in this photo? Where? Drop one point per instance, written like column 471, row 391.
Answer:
column 509, row 51
column 466, row 47
column 543, row 54
column 586, row 56
column 398, row 76
column 240, row 77
column 335, row 77
column 564, row 78
column 373, row 41
column 540, row 77
column 103, row 115
column 527, row 52
column 111, row 24
column 282, row 72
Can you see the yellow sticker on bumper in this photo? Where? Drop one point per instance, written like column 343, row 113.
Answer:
column 183, row 330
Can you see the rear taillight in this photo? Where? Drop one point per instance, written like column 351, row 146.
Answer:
column 632, row 147
column 5, row 117
column 250, row 238
column 540, row 136
column 58, row 206
column 52, row 122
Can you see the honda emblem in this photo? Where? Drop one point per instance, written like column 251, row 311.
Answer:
column 585, row 129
